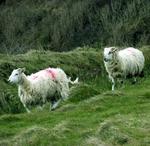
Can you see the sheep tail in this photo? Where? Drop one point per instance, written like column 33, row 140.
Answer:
column 76, row 81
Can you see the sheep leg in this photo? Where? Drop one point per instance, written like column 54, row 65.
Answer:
column 55, row 104
column 134, row 80
column 113, row 83
column 40, row 107
column 26, row 108
column 121, row 83
column 64, row 95
column 64, row 90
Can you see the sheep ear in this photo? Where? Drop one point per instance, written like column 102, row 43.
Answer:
column 114, row 49
column 21, row 70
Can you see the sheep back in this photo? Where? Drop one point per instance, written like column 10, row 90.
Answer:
column 131, row 61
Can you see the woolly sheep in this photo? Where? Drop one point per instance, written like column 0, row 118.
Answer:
column 41, row 86
column 122, row 63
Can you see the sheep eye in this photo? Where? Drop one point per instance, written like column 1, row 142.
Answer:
column 16, row 74
column 110, row 52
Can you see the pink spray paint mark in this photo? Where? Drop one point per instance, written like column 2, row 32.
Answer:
column 49, row 71
column 131, row 52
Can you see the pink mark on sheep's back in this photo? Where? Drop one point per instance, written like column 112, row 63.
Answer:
column 51, row 72
column 47, row 72
column 131, row 51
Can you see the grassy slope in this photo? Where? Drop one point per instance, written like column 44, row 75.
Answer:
column 105, row 118
column 115, row 119
column 76, row 63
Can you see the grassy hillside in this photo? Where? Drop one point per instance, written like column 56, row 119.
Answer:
column 85, row 64
column 63, row 25
column 92, row 116
column 116, row 119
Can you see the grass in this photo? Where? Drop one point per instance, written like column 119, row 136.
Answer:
column 104, row 118
column 76, row 63
column 93, row 116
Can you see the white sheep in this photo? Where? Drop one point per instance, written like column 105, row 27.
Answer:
column 122, row 63
column 41, row 86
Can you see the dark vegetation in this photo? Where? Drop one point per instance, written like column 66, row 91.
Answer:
column 63, row 25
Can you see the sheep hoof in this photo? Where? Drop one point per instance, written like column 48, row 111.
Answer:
column 55, row 105
column 28, row 111
column 134, row 81
column 40, row 108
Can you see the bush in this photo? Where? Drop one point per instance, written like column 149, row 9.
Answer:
column 63, row 25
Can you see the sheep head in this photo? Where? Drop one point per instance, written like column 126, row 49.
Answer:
column 109, row 53
column 16, row 75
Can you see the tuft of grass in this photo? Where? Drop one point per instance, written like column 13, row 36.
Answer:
column 110, row 133
column 82, row 92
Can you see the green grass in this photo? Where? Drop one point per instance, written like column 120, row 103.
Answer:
column 109, row 118
column 82, row 64
column 93, row 116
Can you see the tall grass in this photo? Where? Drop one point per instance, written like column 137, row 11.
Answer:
column 126, row 23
